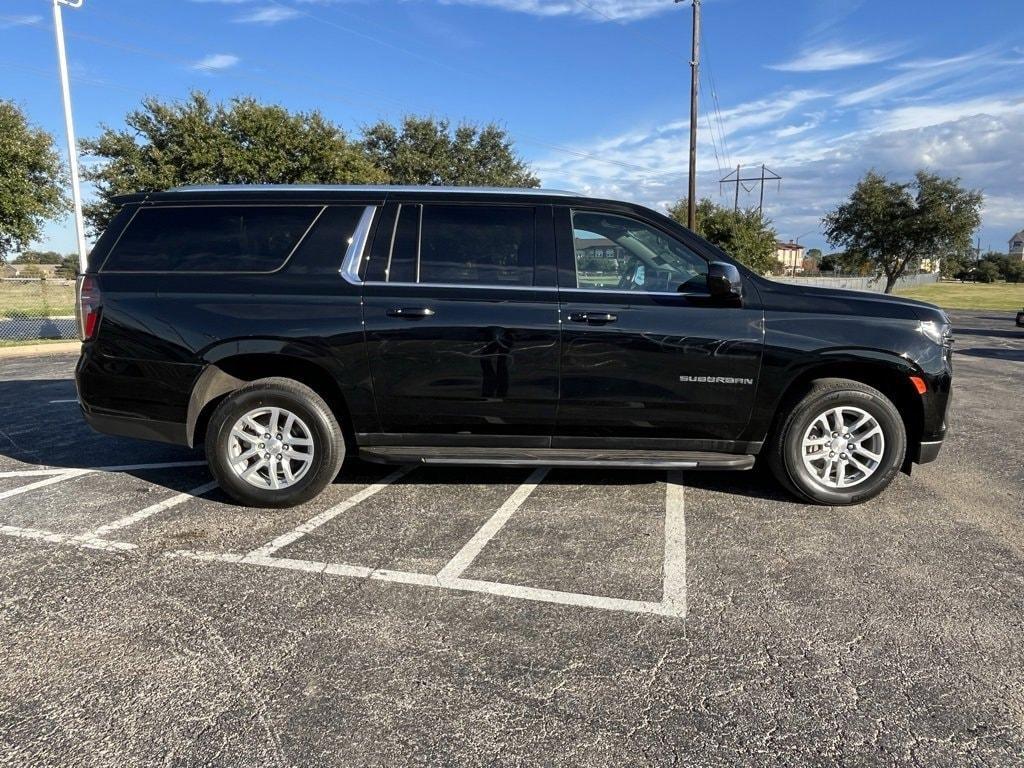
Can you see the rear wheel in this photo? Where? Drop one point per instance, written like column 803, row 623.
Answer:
column 842, row 443
column 274, row 443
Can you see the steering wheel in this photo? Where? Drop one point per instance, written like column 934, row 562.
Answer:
column 628, row 281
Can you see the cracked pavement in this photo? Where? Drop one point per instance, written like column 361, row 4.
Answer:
column 891, row 633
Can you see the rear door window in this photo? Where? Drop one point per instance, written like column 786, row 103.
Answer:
column 211, row 238
column 477, row 245
column 473, row 245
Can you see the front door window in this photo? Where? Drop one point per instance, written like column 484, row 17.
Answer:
column 622, row 254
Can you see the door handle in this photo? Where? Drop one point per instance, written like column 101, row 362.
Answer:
column 594, row 318
column 411, row 313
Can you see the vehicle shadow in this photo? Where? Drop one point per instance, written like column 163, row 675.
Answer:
column 38, row 433
column 42, row 427
column 755, row 484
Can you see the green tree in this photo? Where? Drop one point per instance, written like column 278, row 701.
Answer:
column 31, row 178
column 889, row 225
column 986, row 272
column 68, row 266
column 196, row 141
column 746, row 235
column 1014, row 271
column 425, row 150
column 814, row 254
column 40, row 257
column 954, row 265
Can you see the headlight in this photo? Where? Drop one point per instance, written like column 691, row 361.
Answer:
column 940, row 333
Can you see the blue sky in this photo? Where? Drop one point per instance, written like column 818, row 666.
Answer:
column 595, row 92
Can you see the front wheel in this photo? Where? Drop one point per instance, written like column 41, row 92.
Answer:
column 842, row 443
column 274, row 443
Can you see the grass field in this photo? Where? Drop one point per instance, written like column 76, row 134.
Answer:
column 46, row 298
column 1000, row 296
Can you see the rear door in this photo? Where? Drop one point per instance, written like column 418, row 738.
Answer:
column 646, row 353
column 461, row 320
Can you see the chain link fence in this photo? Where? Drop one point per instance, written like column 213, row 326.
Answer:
column 858, row 283
column 32, row 309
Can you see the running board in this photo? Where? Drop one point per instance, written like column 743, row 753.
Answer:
column 555, row 457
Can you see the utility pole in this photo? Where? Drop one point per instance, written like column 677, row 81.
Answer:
column 76, row 191
column 760, row 203
column 736, row 202
column 691, row 207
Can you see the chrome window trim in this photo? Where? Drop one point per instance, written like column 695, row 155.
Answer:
column 477, row 286
column 540, row 288
column 356, row 248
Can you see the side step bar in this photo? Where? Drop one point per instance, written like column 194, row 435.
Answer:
column 555, row 457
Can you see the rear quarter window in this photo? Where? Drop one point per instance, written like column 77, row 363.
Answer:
column 210, row 238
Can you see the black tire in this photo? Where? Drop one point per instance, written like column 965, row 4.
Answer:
column 785, row 446
column 328, row 441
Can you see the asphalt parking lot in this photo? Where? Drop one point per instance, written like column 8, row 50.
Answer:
column 419, row 616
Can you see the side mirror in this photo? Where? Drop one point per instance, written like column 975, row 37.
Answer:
column 724, row 282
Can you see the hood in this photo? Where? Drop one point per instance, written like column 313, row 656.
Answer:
column 784, row 296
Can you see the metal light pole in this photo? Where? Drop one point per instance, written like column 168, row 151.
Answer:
column 62, row 62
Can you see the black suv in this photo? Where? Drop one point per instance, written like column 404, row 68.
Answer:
column 286, row 327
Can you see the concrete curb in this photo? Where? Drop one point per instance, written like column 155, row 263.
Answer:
column 38, row 350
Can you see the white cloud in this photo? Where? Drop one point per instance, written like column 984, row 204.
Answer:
column 599, row 10
column 922, row 116
column 976, row 139
column 216, row 62
column 7, row 22
column 831, row 57
column 271, row 14
column 919, row 74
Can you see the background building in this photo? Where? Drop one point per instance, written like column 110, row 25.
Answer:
column 790, row 256
column 1016, row 250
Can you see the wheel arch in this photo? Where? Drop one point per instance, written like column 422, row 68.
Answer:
column 230, row 372
column 890, row 375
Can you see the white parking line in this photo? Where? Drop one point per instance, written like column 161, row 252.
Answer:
column 674, row 596
column 325, row 517
column 104, row 530
column 674, row 566
column 62, row 538
column 56, row 478
column 113, row 468
column 458, row 564
column 429, row 580
column 33, row 473
column 75, row 400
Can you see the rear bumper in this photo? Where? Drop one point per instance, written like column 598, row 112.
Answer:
column 140, row 429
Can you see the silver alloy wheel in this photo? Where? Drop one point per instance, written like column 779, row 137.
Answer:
column 270, row 448
column 843, row 447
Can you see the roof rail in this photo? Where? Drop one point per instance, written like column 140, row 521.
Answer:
column 374, row 189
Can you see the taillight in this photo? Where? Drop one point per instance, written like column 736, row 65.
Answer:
column 89, row 305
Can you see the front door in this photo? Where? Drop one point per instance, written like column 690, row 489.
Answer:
column 646, row 353
column 461, row 319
